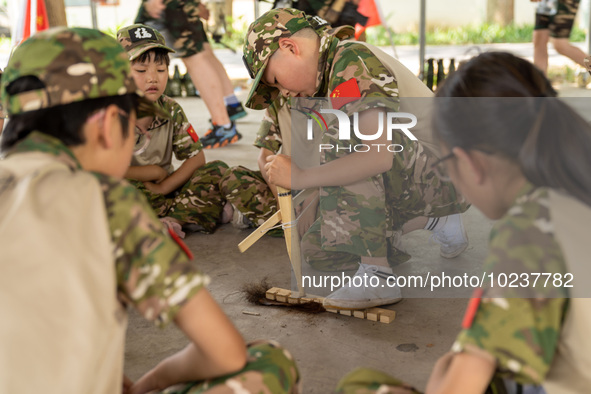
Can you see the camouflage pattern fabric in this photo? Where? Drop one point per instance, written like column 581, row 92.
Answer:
column 249, row 193
column 153, row 273
column 168, row 135
column 521, row 334
column 182, row 23
column 198, row 201
column 262, row 40
column 137, row 39
column 367, row 381
column 269, row 135
column 560, row 24
column 357, row 219
column 269, row 369
column 77, row 64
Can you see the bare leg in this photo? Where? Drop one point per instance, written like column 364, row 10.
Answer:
column 564, row 47
column 540, row 40
column 210, row 78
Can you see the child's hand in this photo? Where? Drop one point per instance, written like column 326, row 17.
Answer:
column 154, row 8
column 279, row 171
column 127, row 384
column 154, row 187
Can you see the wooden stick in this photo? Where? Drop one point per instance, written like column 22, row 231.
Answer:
column 259, row 232
column 292, row 238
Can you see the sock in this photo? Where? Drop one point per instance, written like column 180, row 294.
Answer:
column 227, row 125
column 435, row 224
column 231, row 100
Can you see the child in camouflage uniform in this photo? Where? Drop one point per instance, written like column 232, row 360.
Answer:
column 79, row 244
column 521, row 156
column 190, row 194
column 364, row 198
column 180, row 21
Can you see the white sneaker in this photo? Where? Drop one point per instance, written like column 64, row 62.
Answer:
column 365, row 292
column 452, row 237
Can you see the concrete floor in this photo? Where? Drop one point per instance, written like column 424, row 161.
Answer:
column 326, row 346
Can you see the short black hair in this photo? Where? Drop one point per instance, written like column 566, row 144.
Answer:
column 63, row 122
column 160, row 56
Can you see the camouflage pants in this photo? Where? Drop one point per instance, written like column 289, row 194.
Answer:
column 269, row 369
column 368, row 381
column 363, row 219
column 248, row 192
column 198, row 201
column 180, row 25
column 561, row 24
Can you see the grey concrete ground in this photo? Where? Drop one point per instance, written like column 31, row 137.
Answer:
column 325, row 346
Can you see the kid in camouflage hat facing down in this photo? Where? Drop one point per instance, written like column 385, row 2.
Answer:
column 79, row 244
column 364, row 197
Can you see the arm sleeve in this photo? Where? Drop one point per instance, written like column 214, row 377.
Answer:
column 519, row 327
column 154, row 274
column 269, row 135
column 185, row 143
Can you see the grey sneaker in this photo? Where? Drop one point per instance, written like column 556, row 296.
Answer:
column 239, row 220
column 452, row 237
column 360, row 297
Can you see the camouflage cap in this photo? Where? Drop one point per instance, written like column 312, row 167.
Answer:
column 137, row 39
column 262, row 40
column 74, row 64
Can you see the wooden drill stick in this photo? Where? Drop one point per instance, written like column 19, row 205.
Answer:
column 289, row 221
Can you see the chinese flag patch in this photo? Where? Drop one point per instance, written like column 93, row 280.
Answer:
column 192, row 133
column 345, row 93
column 472, row 309
column 180, row 243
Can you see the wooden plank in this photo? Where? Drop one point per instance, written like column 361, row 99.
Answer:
column 272, row 293
column 372, row 314
column 282, row 295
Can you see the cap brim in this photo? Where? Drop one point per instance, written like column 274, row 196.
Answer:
column 137, row 52
column 261, row 95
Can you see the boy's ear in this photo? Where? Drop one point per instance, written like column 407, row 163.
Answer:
column 471, row 164
column 108, row 126
column 290, row 45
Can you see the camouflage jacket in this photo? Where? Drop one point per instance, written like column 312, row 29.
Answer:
column 154, row 274
column 520, row 327
column 167, row 136
column 269, row 134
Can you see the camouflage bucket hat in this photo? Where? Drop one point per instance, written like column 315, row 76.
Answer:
column 262, row 40
column 137, row 39
column 74, row 64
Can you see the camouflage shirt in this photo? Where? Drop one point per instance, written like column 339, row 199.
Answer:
column 154, row 274
column 521, row 334
column 165, row 137
column 269, row 134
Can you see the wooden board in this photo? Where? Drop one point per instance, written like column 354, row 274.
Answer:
column 373, row 314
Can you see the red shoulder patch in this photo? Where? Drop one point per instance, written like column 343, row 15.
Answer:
column 180, row 243
column 345, row 93
column 472, row 309
column 192, row 133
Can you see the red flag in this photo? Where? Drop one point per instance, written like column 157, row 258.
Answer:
column 345, row 93
column 192, row 133
column 367, row 8
column 41, row 21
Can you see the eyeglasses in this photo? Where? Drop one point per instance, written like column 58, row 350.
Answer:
column 440, row 168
